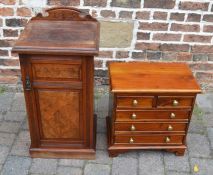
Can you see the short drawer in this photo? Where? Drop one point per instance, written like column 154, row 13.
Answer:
column 149, row 139
column 135, row 101
column 146, row 115
column 175, row 102
column 151, row 127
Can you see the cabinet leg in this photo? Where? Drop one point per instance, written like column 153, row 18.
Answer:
column 113, row 153
column 178, row 152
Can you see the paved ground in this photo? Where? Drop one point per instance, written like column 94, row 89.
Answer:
column 14, row 144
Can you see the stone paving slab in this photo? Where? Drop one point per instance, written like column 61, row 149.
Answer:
column 15, row 142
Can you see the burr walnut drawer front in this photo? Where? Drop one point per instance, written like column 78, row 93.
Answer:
column 144, row 115
column 153, row 139
column 135, row 101
column 175, row 102
column 54, row 70
column 151, row 127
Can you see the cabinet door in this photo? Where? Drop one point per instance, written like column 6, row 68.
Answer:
column 58, row 95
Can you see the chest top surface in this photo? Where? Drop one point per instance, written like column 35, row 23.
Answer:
column 63, row 30
column 152, row 78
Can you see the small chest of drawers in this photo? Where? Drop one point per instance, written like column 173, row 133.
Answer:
column 150, row 106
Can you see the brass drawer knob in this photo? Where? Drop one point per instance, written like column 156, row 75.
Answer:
column 131, row 140
column 134, row 116
column 172, row 115
column 135, row 102
column 175, row 103
column 170, row 128
column 167, row 140
column 133, row 128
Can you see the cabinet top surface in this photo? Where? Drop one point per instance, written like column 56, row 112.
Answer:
column 152, row 78
column 64, row 30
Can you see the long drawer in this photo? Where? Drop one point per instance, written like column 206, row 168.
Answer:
column 157, row 115
column 149, row 139
column 151, row 127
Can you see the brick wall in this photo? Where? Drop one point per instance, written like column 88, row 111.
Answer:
column 131, row 30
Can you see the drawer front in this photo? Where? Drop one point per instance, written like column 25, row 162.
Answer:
column 149, row 139
column 151, row 127
column 135, row 101
column 132, row 115
column 175, row 102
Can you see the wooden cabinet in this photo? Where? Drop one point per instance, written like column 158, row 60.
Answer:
column 150, row 106
column 56, row 57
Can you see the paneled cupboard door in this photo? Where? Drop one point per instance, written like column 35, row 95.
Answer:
column 55, row 86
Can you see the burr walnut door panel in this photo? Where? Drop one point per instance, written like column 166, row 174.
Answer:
column 59, row 93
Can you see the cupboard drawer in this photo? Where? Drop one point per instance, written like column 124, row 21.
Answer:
column 175, row 102
column 135, row 101
column 151, row 127
column 149, row 139
column 133, row 115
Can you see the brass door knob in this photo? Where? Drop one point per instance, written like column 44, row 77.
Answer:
column 172, row 115
column 175, row 102
column 131, row 140
column 167, row 140
column 134, row 116
column 170, row 128
column 135, row 102
column 132, row 128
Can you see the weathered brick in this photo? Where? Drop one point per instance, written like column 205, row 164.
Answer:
column 105, row 54
column 200, row 57
column 193, row 17
column 138, row 55
column 122, row 54
column 126, row 3
column 142, row 15
column 143, row 36
column 153, row 55
column 197, row 38
column 194, row 6
column 8, row 2
column 99, row 3
column 175, row 47
column 169, row 56
column 10, row 72
column 147, row 46
column 107, row 13
column 208, row 28
column 208, row 18
column 204, row 76
column 210, row 57
column 125, row 14
column 64, row 2
column 202, row 49
column 164, row 4
column 184, row 56
column 4, row 52
column 10, row 33
column 98, row 63
column 9, row 62
column 160, row 15
column 8, row 79
column 201, row 66
column 7, row 43
column 167, row 37
column 116, row 34
column 6, row 11
column 24, row 11
column 100, row 73
column 153, row 26
column 1, row 22
column 177, row 16
column 13, row 22
column 185, row 27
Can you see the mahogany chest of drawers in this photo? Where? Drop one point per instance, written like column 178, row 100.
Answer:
column 150, row 106
column 56, row 57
